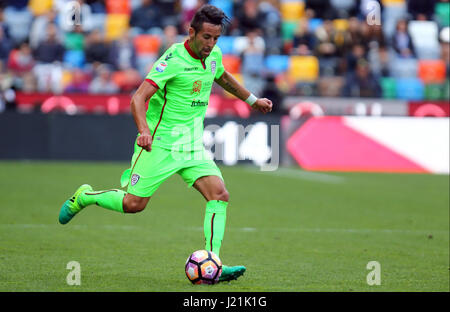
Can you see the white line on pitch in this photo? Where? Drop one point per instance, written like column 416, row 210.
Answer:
column 301, row 175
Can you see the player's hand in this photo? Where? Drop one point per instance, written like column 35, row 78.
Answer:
column 145, row 141
column 263, row 105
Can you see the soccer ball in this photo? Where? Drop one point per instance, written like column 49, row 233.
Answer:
column 203, row 267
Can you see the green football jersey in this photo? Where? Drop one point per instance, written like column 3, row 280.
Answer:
column 176, row 111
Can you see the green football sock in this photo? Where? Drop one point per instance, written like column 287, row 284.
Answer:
column 110, row 199
column 214, row 225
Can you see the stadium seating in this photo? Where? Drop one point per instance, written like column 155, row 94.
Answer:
column 232, row 63
column 276, row 63
column 388, row 87
column 423, row 76
column 225, row 5
column 435, row 91
column 404, row 68
column 288, row 29
column 226, row 44
column 431, row 71
column 303, row 68
column 74, row 58
column 410, row 89
column 39, row 7
column 118, row 7
column 292, row 10
column 442, row 12
column 147, row 44
column 116, row 25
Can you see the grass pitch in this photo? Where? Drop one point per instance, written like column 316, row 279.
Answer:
column 295, row 231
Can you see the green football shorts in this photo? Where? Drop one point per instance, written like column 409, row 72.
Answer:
column 150, row 169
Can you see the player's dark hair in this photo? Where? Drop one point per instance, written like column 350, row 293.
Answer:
column 209, row 14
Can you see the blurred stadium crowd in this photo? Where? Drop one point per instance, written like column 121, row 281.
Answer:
column 275, row 47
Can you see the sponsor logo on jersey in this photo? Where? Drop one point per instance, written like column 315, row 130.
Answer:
column 168, row 57
column 198, row 103
column 196, row 87
column 213, row 67
column 161, row 67
column 134, row 179
column 190, row 68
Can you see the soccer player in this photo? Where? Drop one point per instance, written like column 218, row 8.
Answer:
column 170, row 138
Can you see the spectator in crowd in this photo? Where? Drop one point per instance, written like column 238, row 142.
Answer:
column 401, row 41
column 74, row 40
column 97, row 6
column 5, row 47
column 38, row 31
column 320, row 9
column 147, row 18
column 3, row 26
column 324, row 36
column 20, row 66
column 50, row 50
column 17, row 4
column 21, row 60
column 188, row 9
column 253, row 62
column 326, row 50
column 96, row 49
column 371, row 34
column 354, row 31
column 7, row 93
column 345, row 8
column 303, row 42
column 252, row 40
column 170, row 37
column 123, row 53
column 361, row 82
column 271, row 26
column 357, row 52
column 167, row 9
column 271, row 91
column 420, row 9
column 49, row 55
column 380, row 61
column 249, row 17
column 103, row 82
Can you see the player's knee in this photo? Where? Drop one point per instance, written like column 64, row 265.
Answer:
column 222, row 195
column 134, row 206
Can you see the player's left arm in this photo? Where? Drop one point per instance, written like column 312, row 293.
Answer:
column 230, row 84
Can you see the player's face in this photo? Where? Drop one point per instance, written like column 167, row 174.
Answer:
column 204, row 40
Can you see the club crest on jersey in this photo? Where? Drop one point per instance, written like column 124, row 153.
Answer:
column 213, row 67
column 134, row 179
column 196, row 87
column 161, row 67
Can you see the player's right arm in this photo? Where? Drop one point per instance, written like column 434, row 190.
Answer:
column 138, row 109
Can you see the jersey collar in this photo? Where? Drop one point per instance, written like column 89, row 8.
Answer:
column 192, row 53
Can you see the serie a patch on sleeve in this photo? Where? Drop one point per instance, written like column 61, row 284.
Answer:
column 161, row 67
